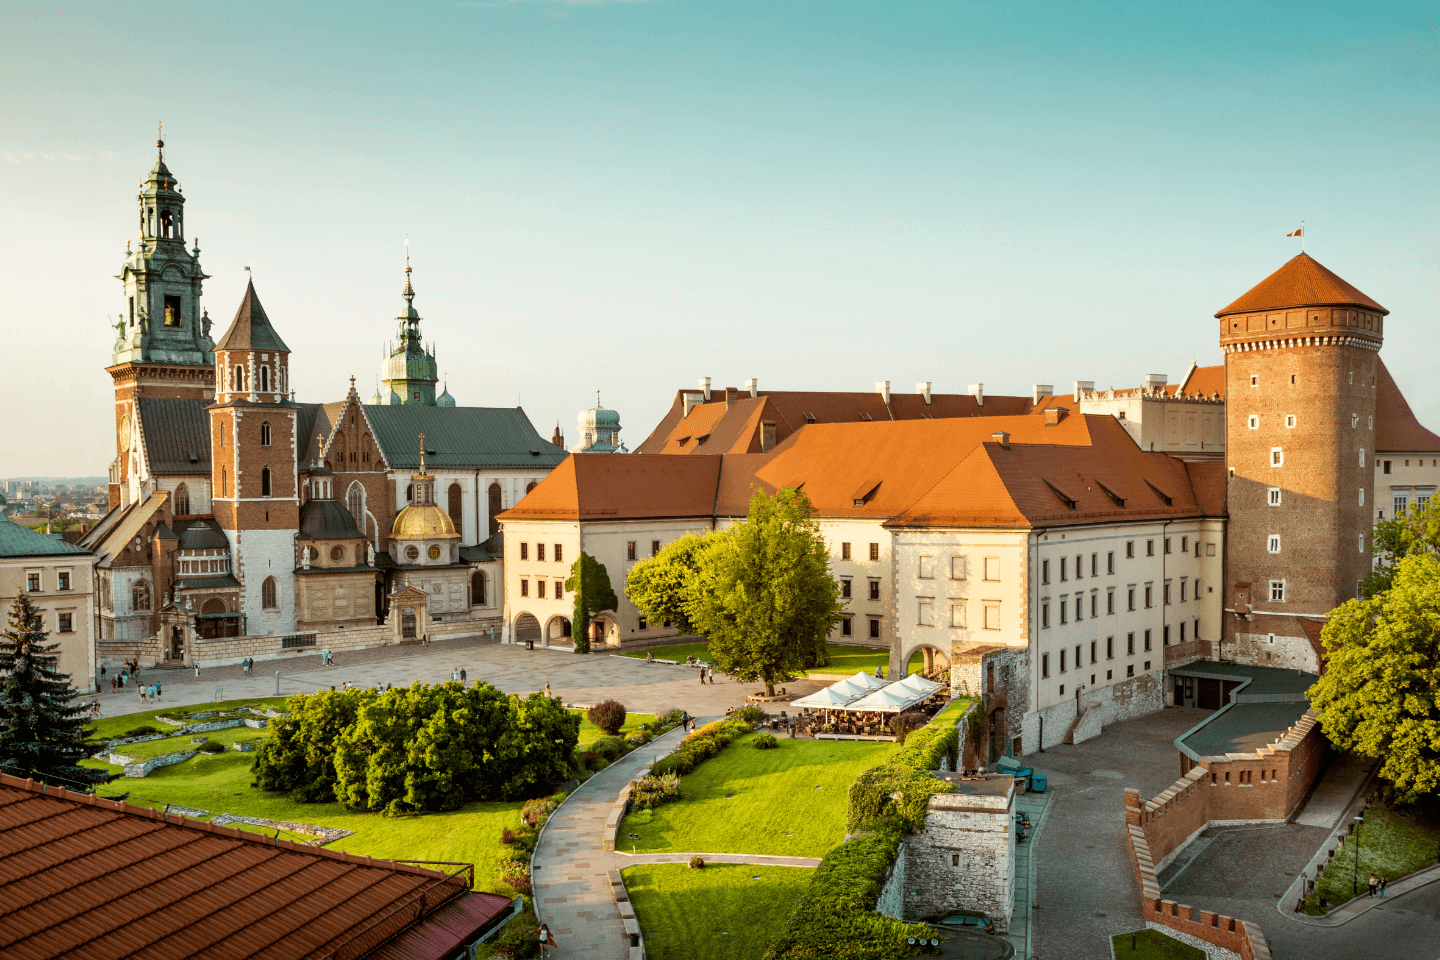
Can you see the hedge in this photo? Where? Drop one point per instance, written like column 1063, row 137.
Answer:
column 700, row 746
column 872, row 796
column 835, row 916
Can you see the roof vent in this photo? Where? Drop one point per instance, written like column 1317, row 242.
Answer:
column 924, row 390
column 705, row 388
column 1042, row 390
column 882, row 387
column 1069, row 501
column 753, row 386
column 1155, row 381
column 810, row 418
column 977, row 390
column 1169, row 501
column 1083, row 387
column 1053, row 415
column 1002, row 438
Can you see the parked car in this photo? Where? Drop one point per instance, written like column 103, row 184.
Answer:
column 961, row 919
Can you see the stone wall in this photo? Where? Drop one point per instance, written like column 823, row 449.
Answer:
column 892, row 896
column 230, row 650
column 145, row 767
column 1122, row 700
column 963, row 858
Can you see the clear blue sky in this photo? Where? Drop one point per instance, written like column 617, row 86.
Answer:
column 626, row 196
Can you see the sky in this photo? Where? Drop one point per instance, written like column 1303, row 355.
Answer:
column 624, row 197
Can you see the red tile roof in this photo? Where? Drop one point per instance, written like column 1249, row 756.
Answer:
column 1396, row 428
column 1204, row 381
column 1301, row 282
column 82, row 877
column 617, row 486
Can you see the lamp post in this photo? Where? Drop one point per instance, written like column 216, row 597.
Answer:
column 1355, row 885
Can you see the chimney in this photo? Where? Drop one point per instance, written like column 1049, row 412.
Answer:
column 692, row 400
column 1054, row 415
column 924, row 390
column 882, row 387
column 977, row 390
column 705, row 388
column 1155, row 381
column 1082, row 387
column 753, row 386
column 767, row 437
column 1002, row 438
column 1042, row 390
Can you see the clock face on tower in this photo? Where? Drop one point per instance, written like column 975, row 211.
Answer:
column 125, row 432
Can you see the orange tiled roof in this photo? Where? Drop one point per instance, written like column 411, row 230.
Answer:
column 1301, row 282
column 1204, row 381
column 609, row 486
column 1396, row 428
column 82, row 877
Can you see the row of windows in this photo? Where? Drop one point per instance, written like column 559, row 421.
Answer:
column 846, row 592
column 925, row 615
column 1063, row 603
column 629, row 550
column 1385, row 466
column 205, row 566
column 1254, row 421
column 1094, row 648
column 1401, row 503
column 64, row 621
column 847, row 627
column 959, row 568
column 238, row 379
column 1079, row 568
column 558, row 553
column 874, row 551
column 35, row 581
column 540, row 588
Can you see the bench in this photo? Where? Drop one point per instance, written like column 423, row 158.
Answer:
column 627, row 912
column 632, row 931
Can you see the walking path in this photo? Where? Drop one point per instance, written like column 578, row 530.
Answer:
column 1353, row 908
column 1036, row 806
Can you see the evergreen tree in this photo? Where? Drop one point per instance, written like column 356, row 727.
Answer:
column 41, row 734
column 589, row 584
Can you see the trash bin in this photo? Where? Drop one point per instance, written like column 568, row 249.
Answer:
column 1037, row 782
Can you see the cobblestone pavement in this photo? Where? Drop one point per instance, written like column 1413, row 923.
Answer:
column 1084, row 887
column 1036, row 805
column 642, row 687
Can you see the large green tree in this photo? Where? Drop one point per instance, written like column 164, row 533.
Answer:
column 661, row 587
column 298, row 757
column 1377, row 695
column 589, row 586
column 1416, row 531
column 42, row 735
column 764, row 595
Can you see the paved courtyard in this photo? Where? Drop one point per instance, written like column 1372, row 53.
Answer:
column 642, row 687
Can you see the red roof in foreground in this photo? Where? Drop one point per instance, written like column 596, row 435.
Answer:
column 1396, row 428
column 1301, row 282
column 82, row 877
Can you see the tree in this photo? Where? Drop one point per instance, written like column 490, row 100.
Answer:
column 298, row 757
column 661, row 586
column 41, row 734
column 1415, row 531
column 589, row 584
column 1377, row 695
column 764, row 596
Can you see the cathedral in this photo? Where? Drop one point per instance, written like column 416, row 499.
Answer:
column 243, row 522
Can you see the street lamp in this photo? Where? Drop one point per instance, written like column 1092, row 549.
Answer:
column 1355, row 885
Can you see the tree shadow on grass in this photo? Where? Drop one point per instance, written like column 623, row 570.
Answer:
column 718, row 913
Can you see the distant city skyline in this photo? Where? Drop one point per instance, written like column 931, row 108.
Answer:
column 626, row 196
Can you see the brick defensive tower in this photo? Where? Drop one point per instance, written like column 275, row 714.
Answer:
column 1301, row 352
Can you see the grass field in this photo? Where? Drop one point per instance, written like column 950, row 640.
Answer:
column 1394, row 842
column 1153, row 945
column 786, row 802
column 844, row 658
column 723, row 912
column 589, row 733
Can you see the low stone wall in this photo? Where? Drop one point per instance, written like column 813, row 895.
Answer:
column 892, row 895
column 144, row 768
column 1089, row 725
column 231, row 650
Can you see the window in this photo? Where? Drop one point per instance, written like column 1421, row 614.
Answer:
column 540, row 553
column 874, row 589
column 1094, row 604
column 1130, row 670
column 559, row 589
column 265, row 482
column 181, row 499
column 654, row 548
column 1130, row 549
column 1165, row 636
column 32, row 584
column 1062, row 660
column 1254, row 422
column 1209, row 549
column 1277, row 457
column 265, row 434
column 1167, row 545
column 1110, row 601
column 1402, row 501
column 1079, row 608
column 1273, row 543
column 992, row 568
column 1184, row 585
column 992, row 615
column 874, row 628
column 1109, row 648
column 1354, row 420
column 1385, row 467
column 1149, row 595
column 265, row 379
column 1064, row 610
column 1094, row 564
column 1062, row 689
column 927, row 568
column 524, row 551
column 1167, row 593
column 62, row 580
column 1079, row 567
column 1254, row 381
column 559, row 553
column 874, row 551
column 1044, row 613
column 926, row 614
column 1130, row 644
column 67, row 623
column 957, row 614
column 1147, row 641
column 1182, row 631
column 1147, row 664
column 1290, row 420
column 524, row 588
column 1184, row 544
column 1277, row 591
column 1130, row 591
column 643, row 624
column 629, row 550
column 172, row 306
column 1149, row 548
column 477, row 588
column 412, row 552
column 957, row 568
column 540, row 589
column 239, row 378
column 1093, row 645
column 847, row 627
column 1044, row 571
column 267, row 594
column 1044, row 665
column 844, row 551
column 1064, row 568
column 845, row 588
column 1110, row 562
column 1274, row 499
column 337, row 553
column 1079, row 657
column 139, row 594
column 1418, row 500
column 1195, row 631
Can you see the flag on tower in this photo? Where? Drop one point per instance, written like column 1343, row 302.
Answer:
column 1297, row 232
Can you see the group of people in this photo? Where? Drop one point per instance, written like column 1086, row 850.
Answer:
column 457, row 675
column 130, row 672
column 327, row 659
column 1377, row 884
column 150, row 692
column 248, row 665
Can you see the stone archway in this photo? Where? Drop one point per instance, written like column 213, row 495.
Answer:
column 936, row 660
column 527, row 629
column 557, row 629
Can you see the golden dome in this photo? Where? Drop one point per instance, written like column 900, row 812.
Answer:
column 423, row 521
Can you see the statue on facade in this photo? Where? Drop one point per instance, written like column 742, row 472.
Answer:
column 205, row 322
column 120, row 329
column 369, row 554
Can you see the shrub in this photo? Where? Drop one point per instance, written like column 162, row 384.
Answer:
column 765, row 741
column 210, row 746
column 610, row 748
column 904, row 723
column 640, row 739
column 520, row 940
column 535, row 812
column 507, row 836
column 752, row 714
column 144, row 731
column 608, row 715
column 891, row 791
column 652, row 791
column 675, row 763
column 697, row 863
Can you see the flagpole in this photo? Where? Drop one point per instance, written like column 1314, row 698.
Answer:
column 1302, row 236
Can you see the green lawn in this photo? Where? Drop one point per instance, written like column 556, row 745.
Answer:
column 1153, row 945
column 1394, row 842
column 844, row 658
column 775, row 807
column 589, row 733
column 723, row 912
column 180, row 744
column 109, row 728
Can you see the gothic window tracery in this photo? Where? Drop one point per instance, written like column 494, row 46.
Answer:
column 140, row 595
column 267, row 594
column 182, row 500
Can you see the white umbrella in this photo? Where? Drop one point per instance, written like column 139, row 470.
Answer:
column 919, row 684
column 849, row 688
column 868, row 680
column 887, row 700
column 826, row 698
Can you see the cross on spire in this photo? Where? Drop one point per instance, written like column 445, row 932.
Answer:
column 422, row 453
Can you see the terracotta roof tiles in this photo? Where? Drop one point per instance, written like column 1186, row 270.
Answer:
column 1397, row 430
column 1301, row 282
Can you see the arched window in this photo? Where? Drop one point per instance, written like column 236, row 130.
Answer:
column 410, row 493
column 239, row 378
column 496, row 505
column 355, row 500
column 264, row 379
column 530, row 486
column 477, row 588
column 181, row 500
column 265, row 430
column 140, row 595
column 265, row 482
column 454, row 506
column 267, row 594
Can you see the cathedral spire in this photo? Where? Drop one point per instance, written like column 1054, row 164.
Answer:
column 410, row 372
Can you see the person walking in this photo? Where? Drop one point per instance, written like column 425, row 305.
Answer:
column 1374, row 884
column 462, row 674
column 157, row 689
column 1383, row 881
column 547, row 940
column 142, row 691
column 702, row 674
column 95, row 709
column 197, row 669
column 710, row 674
column 547, row 688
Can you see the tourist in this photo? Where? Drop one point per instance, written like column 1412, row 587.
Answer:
column 710, row 672
column 462, row 674
column 547, row 688
column 142, row 691
column 649, row 656
column 196, row 664
column 879, row 673
column 547, row 940
column 1383, row 881
column 157, row 690
column 1374, row 884
column 95, row 709
column 702, row 674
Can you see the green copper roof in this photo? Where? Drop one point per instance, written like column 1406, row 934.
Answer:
column 18, row 541
column 465, row 437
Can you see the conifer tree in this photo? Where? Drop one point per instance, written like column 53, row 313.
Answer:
column 41, row 734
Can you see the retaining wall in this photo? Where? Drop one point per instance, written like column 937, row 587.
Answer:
column 144, row 768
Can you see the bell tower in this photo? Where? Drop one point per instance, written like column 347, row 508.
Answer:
column 410, row 369
column 1301, row 355
column 162, row 345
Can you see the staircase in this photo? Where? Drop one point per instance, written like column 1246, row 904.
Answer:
column 1075, row 725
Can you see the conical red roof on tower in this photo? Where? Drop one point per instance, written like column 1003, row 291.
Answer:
column 1302, row 282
